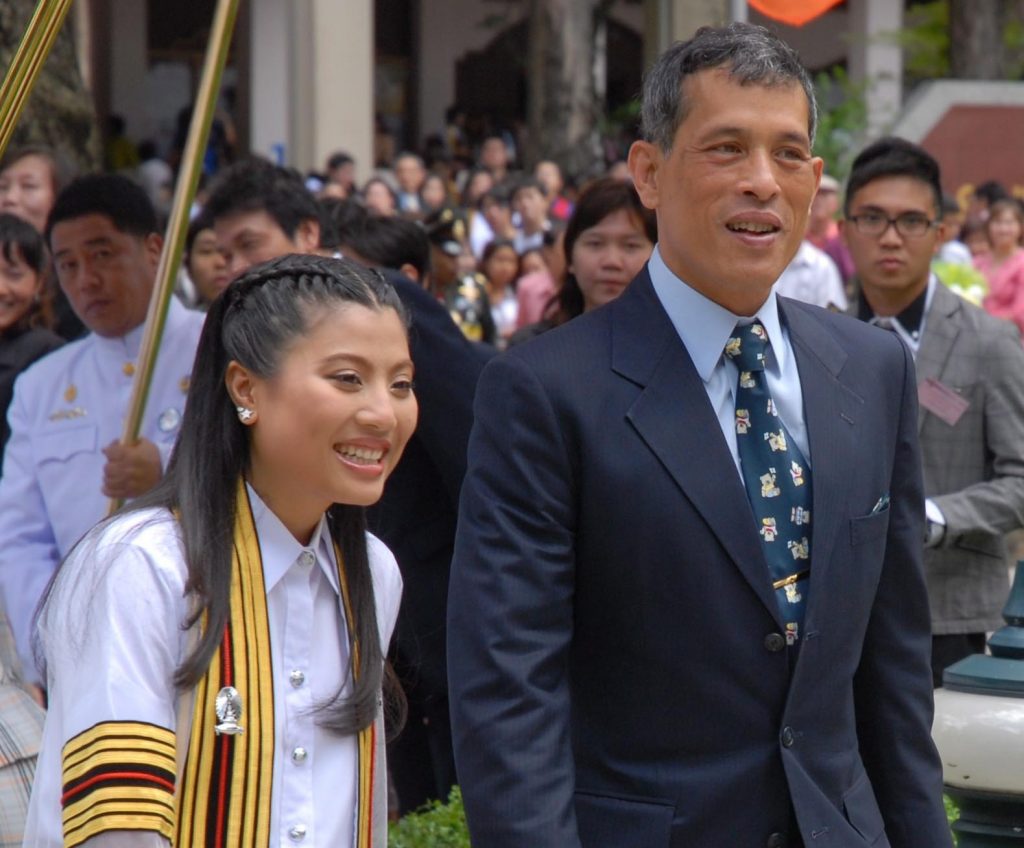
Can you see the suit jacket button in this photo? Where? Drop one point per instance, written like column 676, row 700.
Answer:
column 776, row 840
column 774, row 642
column 787, row 737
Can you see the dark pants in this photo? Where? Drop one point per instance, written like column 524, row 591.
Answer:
column 420, row 759
column 953, row 647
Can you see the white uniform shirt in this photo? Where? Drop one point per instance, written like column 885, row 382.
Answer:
column 113, row 639
column 812, row 277
column 67, row 407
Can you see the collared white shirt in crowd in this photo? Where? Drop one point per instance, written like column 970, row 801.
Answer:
column 812, row 277
column 67, row 407
column 113, row 639
column 704, row 328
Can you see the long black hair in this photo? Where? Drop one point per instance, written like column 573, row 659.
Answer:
column 598, row 200
column 253, row 322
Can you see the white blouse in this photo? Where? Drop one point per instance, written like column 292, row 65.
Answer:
column 112, row 636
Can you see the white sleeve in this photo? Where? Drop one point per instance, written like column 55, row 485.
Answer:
column 387, row 587
column 28, row 549
column 112, row 635
column 113, row 639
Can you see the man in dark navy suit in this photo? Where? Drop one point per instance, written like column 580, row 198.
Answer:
column 687, row 604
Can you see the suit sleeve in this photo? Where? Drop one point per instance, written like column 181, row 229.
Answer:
column 510, row 618
column 893, row 684
column 995, row 506
column 28, row 550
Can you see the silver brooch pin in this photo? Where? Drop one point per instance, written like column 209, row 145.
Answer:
column 229, row 710
column 168, row 420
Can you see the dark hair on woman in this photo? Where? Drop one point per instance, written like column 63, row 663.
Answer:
column 20, row 241
column 598, row 200
column 379, row 181
column 492, row 247
column 62, row 172
column 253, row 323
column 1005, row 204
column 201, row 222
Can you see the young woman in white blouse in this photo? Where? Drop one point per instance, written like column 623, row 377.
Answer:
column 215, row 652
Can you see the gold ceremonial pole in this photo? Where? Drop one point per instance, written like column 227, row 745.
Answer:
column 177, row 226
column 28, row 61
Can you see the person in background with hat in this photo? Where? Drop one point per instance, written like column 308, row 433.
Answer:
column 823, row 228
column 64, row 459
column 464, row 293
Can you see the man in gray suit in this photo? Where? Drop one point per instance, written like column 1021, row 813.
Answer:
column 970, row 372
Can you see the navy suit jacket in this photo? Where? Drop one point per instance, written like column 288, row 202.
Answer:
column 616, row 673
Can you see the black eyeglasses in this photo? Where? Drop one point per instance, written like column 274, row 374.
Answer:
column 908, row 225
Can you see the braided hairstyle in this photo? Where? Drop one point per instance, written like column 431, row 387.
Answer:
column 254, row 321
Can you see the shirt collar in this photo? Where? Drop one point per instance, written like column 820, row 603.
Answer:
column 703, row 326
column 911, row 319
column 280, row 550
column 126, row 347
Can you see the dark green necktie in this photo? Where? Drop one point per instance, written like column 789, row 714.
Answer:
column 776, row 475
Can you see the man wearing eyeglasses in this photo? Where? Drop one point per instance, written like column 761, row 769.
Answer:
column 970, row 372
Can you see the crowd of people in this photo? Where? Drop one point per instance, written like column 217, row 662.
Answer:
column 318, row 473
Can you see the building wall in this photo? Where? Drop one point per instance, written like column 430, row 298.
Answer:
column 451, row 28
column 269, row 76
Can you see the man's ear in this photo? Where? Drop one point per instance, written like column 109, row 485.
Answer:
column 307, row 236
column 153, row 244
column 410, row 271
column 940, row 236
column 644, row 161
column 240, row 386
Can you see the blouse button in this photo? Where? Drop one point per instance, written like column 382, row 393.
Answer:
column 299, row 756
column 297, row 833
column 296, row 678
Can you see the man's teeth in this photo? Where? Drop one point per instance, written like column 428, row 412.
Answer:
column 361, row 454
column 752, row 228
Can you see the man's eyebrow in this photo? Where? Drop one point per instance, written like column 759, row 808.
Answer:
column 726, row 130
column 93, row 242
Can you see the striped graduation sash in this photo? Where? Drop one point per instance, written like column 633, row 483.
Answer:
column 121, row 775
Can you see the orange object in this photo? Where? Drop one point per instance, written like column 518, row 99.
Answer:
column 793, row 12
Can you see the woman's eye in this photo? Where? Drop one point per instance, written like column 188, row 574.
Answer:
column 347, row 378
column 404, row 386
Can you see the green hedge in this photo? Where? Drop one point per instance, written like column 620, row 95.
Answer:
column 436, row 825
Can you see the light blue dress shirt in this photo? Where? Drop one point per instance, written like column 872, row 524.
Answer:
column 704, row 328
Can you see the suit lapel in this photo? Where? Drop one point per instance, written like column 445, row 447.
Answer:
column 675, row 420
column 831, row 412
column 941, row 328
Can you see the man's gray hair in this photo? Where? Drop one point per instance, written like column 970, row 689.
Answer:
column 753, row 56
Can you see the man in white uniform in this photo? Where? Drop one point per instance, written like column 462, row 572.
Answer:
column 64, row 461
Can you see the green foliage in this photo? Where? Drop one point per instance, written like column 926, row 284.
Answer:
column 436, row 825
column 842, row 119
column 925, row 41
column 967, row 282
column 952, row 813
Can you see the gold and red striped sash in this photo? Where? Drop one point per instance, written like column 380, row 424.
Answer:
column 121, row 775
